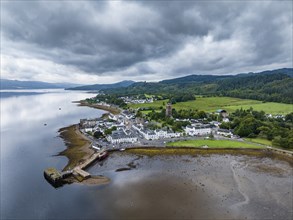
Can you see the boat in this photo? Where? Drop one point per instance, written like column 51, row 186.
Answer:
column 103, row 155
column 95, row 147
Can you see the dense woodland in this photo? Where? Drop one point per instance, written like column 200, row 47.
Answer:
column 276, row 86
column 250, row 123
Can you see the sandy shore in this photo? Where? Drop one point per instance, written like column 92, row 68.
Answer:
column 78, row 146
column 111, row 109
column 196, row 186
column 261, row 153
column 96, row 180
column 78, row 150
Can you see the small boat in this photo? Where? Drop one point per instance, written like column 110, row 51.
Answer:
column 122, row 149
column 95, row 147
column 103, row 155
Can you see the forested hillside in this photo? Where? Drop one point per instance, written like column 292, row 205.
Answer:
column 276, row 86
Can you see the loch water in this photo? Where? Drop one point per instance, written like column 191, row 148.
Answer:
column 157, row 187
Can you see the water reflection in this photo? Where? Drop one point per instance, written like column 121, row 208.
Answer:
column 27, row 148
column 170, row 187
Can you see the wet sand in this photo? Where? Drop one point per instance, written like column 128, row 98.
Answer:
column 112, row 110
column 78, row 150
column 78, row 146
column 196, row 187
column 187, row 183
column 96, row 180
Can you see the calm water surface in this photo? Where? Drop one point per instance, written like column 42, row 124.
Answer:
column 160, row 187
column 27, row 148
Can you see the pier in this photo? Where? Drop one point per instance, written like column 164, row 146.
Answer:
column 56, row 178
column 82, row 173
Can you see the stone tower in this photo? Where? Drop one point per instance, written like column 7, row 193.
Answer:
column 169, row 110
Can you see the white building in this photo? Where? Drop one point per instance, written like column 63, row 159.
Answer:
column 89, row 122
column 226, row 120
column 167, row 134
column 113, row 117
column 225, row 132
column 159, row 134
column 88, row 129
column 198, row 130
column 118, row 137
column 149, row 135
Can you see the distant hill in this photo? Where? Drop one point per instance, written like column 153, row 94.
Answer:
column 16, row 84
column 212, row 78
column 272, row 85
column 98, row 87
column 195, row 79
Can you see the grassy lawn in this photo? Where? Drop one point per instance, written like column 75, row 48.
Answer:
column 148, row 111
column 259, row 141
column 213, row 144
column 155, row 104
column 268, row 107
column 211, row 104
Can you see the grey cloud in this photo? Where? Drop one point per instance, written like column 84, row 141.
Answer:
column 103, row 38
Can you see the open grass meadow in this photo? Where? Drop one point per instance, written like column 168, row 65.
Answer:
column 211, row 104
column 259, row 141
column 214, row 144
column 155, row 104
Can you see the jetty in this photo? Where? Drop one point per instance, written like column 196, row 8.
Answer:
column 56, row 178
column 79, row 170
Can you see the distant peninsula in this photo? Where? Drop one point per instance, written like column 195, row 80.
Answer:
column 97, row 87
column 18, row 84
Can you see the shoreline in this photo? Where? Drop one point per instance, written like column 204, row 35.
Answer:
column 194, row 151
column 77, row 146
column 113, row 110
column 77, row 151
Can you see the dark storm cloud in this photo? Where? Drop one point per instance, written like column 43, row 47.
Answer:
column 160, row 39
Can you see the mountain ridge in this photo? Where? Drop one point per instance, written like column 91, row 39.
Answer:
column 272, row 85
column 19, row 84
column 97, row 87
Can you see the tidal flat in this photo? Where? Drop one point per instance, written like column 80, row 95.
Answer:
column 195, row 186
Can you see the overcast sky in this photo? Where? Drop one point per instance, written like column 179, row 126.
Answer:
column 108, row 41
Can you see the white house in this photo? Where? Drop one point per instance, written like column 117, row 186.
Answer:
column 89, row 122
column 113, row 117
column 147, row 134
column 198, row 130
column 224, row 132
column 88, row 129
column 118, row 137
column 167, row 134
column 226, row 120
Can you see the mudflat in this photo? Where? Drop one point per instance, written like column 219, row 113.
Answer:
column 212, row 186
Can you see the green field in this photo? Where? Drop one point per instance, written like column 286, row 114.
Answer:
column 155, row 104
column 211, row 104
column 213, row 144
column 259, row 141
column 148, row 111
